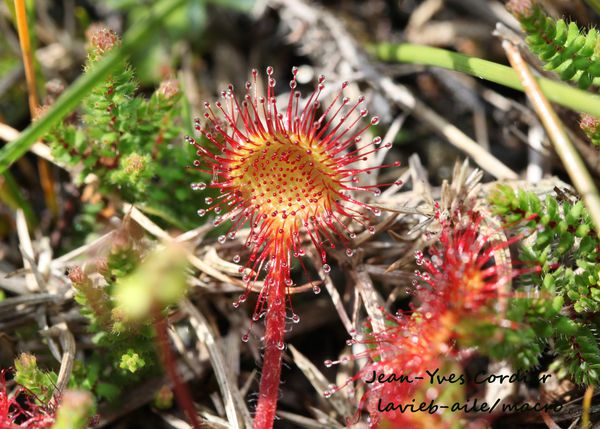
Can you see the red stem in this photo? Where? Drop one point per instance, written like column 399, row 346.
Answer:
column 271, row 370
column 168, row 360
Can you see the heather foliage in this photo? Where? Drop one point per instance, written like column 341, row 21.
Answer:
column 564, row 48
column 128, row 141
column 125, row 342
column 124, row 348
column 561, row 314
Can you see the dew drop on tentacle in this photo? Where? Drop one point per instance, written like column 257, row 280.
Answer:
column 419, row 257
column 200, row 186
column 331, row 389
column 328, row 363
column 236, row 258
column 245, row 337
column 316, row 289
column 201, row 212
column 326, row 268
column 349, row 252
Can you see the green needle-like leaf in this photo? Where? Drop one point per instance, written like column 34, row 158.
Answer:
column 84, row 84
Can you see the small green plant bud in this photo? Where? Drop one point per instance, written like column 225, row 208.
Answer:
column 26, row 363
column 131, row 361
column 75, row 411
column 591, row 127
column 101, row 39
column 134, row 163
column 77, row 276
column 163, row 400
column 119, row 320
column 91, row 296
column 521, row 8
column 134, row 172
column 168, row 88
column 39, row 383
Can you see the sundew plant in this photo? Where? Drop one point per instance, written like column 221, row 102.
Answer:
column 285, row 174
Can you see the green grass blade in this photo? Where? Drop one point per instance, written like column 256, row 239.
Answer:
column 11, row 195
column 594, row 4
column 559, row 93
column 84, row 84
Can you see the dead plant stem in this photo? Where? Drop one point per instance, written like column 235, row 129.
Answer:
column 564, row 148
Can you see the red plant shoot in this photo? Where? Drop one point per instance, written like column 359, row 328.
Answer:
column 287, row 175
column 464, row 282
column 20, row 409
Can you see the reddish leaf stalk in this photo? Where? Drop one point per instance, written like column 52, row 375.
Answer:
column 168, row 360
column 273, row 349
